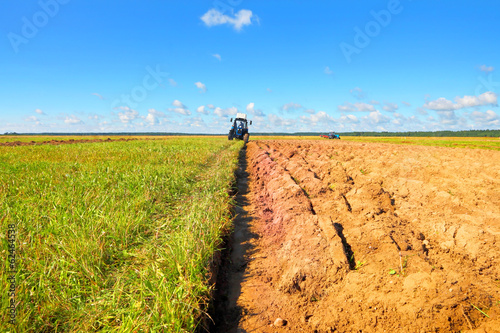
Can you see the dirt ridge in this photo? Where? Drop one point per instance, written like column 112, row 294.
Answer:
column 363, row 237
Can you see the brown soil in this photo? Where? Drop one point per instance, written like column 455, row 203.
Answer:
column 336, row 236
column 58, row 142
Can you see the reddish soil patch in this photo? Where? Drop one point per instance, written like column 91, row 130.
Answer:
column 354, row 237
column 58, row 142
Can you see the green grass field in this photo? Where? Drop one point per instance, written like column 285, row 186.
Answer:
column 114, row 236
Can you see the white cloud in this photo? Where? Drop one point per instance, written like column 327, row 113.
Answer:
column 39, row 111
column 201, row 86
column 447, row 118
column 98, row 95
column 73, row 120
column 350, row 118
column 214, row 17
column 356, row 107
column 374, row 102
column 211, row 106
column 251, row 109
column 196, row 122
column 157, row 113
column 152, row 119
column 278, row 121
column 406, row 103
column 172, row 82
column 128, row 115
column 442, row 104
column 217, row 56
column 291, row 106
column 377, row 117
column 180, row 108
column 225, row 112
column 201, row 109
column 310, row 111
column 358, row 93
column 328, row 71
column 487, row 118
column 321, row 117
column 31, row 119
column 390, row 107
column 486, row 69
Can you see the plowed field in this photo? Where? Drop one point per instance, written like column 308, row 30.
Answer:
column 339, row 236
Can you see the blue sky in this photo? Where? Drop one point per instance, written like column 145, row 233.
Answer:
column 293, row 66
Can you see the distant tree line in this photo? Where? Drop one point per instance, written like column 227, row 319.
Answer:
column 467, row 133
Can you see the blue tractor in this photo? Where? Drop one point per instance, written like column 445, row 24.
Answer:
column 332, row 135
column 239, row 130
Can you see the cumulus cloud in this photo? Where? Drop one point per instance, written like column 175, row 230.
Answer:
column 153, row 117
column 356, row 107
column 39, row 111
column 486, row 69
column 217, row 56
column 195, row 122
column 72, row 120
column 201, row 109
column 358, row 93
column 350, row 118
column 447, row 118
column 127, row 115
column 291, row 106
column 328, row 71
column 225, row 112
column 390, row 107
column 180, row 108
column 443, row 104
column 487, row 118
column 201, row 86
column 321, row 117
column 256, row 112
column 278, row 121
column 211, row 106
column 214, row 17
column 377, row 117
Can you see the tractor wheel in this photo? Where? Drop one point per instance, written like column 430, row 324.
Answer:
column 246, row 137
column 230, row 136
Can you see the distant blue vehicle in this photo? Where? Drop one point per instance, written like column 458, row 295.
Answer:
column 239, row 130
column 331, row 135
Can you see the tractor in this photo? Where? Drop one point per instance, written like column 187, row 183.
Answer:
column 332, row 135
column 239, row 130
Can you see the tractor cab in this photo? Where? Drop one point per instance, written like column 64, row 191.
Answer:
column 239, row 129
